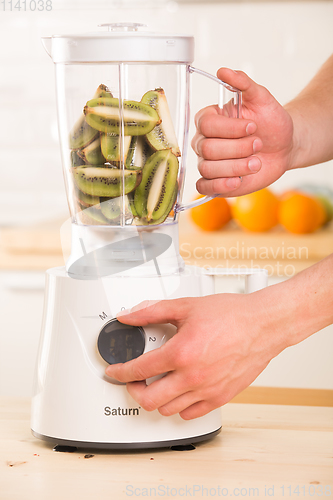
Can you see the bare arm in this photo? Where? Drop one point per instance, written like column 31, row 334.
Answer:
column 312, row 115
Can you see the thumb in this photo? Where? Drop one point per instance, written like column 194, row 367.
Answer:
column 155, row 312
column 241, row 81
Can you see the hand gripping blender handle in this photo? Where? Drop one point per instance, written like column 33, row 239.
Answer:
column 237, row 110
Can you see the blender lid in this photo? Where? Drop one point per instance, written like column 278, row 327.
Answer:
column 121, row 43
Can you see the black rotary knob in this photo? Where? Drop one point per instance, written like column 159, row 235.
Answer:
column 118, row 343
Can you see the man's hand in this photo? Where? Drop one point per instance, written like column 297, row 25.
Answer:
column 257, row 147
column 219, row 349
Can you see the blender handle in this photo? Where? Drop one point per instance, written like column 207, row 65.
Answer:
column 180, row 207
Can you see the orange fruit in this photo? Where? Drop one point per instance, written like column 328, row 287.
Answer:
column 301, row 213
column 212, row 215
column 257, row 211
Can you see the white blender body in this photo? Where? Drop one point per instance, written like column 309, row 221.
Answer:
column 123, row 110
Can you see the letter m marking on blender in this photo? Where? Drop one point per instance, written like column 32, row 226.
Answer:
column 103, row 316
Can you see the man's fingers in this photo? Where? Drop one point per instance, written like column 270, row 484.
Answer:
column 220, row 126
column 223, row 186
column 158, row 393
column 148, row 365
column 155, row 312
column 198, row 409
column 224, row 149
column 252, row 92
column 208, row 111
column 228, row 168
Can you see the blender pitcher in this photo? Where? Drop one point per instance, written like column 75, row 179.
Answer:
column 124, row 106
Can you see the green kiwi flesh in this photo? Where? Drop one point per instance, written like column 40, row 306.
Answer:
column 163, row 134
column 91, row 215
column 82, row 134
column 106, row 182
column 75, row 159
column 91, row 154
column 104, row 114
column 110, row 145
column 86, row 200
column 139, row 152
column 159, row 180
column 111, row 207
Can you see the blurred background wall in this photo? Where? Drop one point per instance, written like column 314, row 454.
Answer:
column 279, row 44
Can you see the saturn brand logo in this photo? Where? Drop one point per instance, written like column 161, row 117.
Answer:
column 120, row 412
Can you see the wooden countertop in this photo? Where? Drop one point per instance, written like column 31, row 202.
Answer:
column 282, row 254
column 271, row 449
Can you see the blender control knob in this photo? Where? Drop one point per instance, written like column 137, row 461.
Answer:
column 118, row 343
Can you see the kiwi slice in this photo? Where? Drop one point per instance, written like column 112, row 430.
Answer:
column 82, row 134
column 91, row 216
column 131, row 207
column 86, row 200
column 76, row 161
column 159, row 180
column 106, row 182
column 110, row 145
column 139, row 152
column 102, row 91
column 91, row 153
column 111, row 207
column 154, row 222
column 104, row 114
column 163, row 134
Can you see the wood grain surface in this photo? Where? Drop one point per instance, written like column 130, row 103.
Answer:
column 263, row 451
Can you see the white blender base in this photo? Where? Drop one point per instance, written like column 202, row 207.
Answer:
column 74, row 403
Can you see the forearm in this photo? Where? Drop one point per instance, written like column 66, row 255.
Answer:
column 300, row 306
column 312, row 115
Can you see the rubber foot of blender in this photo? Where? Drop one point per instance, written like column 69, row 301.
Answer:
column 183, row 447
column 65, row 449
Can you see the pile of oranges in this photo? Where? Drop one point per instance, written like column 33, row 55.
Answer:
column 298, row 212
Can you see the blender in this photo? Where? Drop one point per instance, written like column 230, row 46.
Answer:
column 123, row 113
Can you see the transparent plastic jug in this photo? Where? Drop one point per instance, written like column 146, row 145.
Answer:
column 123, row 99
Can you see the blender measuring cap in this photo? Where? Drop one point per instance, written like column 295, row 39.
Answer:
column 123, row 42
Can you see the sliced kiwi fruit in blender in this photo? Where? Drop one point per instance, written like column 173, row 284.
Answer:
column 159, row 180
column 106, row 182
column 82, row 134
column 86, row 200
column 75, row 159
column 104, row 114
column 138, row 154
column 163, row 134
column 92, row 154
column 111, row 147
column 102, row 91
column 154, row 222
column 131, row 207
column 91, row 216
column 111, row 207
